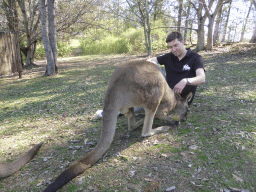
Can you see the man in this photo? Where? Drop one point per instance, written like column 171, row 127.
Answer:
column 184, row 68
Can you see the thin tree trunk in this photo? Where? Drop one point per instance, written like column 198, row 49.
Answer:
column 30, row 54
column 210, row 33
column 226, row 23
column 217, row 27
column 10, row 10
column 245, row 23
column 211, row 17
column 52, row 31
column 186, row 24
column 147, row 29
column 200, row 38
column 50, row 69
column 200, row 31
column 253, row 39
column 180, row 15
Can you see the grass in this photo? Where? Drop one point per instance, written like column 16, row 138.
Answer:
column 212, row 151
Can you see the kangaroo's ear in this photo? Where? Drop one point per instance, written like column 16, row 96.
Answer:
column 177, row 96
column 189, row 97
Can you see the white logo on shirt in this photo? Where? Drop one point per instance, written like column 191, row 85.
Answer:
column 186, row 67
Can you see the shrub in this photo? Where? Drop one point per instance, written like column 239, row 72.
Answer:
column 64, row 49
column 130, row 41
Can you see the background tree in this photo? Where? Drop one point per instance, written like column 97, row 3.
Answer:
column 10, row 9
column 253, row 39
column 188, row 22
column 30, row 20
column 141, row 9
column 217, row 26
column 245, row 23
column 211, row 18
column 47, row 10
column 226, row 22
column 201, row 18
column 180, row 15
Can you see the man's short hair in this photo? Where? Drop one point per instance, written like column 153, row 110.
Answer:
column 174, row 35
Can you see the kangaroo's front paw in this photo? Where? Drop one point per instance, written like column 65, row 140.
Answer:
column 174, row 123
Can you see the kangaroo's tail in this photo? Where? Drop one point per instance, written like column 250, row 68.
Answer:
column 107, row 135
column 10, row 168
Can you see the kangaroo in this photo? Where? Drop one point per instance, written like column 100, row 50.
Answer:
column 137, row 83
column 9, row 169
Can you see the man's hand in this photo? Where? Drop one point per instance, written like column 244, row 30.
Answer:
column 180, row 86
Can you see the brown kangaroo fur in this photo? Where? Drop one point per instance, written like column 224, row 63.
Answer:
column 11, row 168
column 137, row 83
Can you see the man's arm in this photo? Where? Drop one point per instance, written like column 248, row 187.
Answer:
column 153, row 60
column 198, row 80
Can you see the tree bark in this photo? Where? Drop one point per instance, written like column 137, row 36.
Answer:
column 52, row 31
column 186, row 24
column 31, row 49
column 245, row 23
column 226, row 23
column 10, row 59
column 180, row 15
column 211, row 18
column 50, row 68
column 200, row 31
column 10, row 10
column 200, row 37
column 30, row 22
column 253, row 39
column 217, row 27
column 141, row 10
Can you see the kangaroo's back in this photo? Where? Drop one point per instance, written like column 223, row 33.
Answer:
column 136, row 83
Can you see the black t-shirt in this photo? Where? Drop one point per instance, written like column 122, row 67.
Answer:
column 177, row 70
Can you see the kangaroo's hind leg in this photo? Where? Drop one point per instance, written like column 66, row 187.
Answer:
column 132, row 123
column 148, row 123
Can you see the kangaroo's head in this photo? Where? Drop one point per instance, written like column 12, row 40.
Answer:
column 182, row 105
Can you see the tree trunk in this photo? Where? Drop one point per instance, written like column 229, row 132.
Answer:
column 180, row 15
column 147, row 29
column 148, row 32
column 49, row 36
column 226, row 23
column 200, row 37
column 10, row 59
column 186, row 24
column 211, row 17
column 245, row 23
column 52, row 31
column 210, row 35
column 30, row 54
column 253, row 39
column 30, row 21
column 200, row 31
column 217, row 27
column 10, row 10
column 50, row 69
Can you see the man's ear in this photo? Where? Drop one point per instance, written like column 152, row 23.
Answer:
column 189, row 97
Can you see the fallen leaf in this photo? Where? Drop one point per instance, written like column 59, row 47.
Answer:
column 237, row 178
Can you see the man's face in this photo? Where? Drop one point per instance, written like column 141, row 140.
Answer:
column 176, row 47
